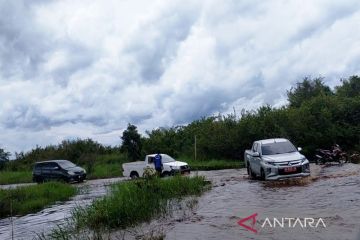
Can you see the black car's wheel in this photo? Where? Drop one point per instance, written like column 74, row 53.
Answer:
column 39, row 180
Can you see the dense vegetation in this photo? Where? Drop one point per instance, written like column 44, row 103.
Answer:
column 130, row 203
column 28, row 199
column 316, row 117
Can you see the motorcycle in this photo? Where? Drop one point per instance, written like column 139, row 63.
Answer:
column 336, row 154
column 355, row 157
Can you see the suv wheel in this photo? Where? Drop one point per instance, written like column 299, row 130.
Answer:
column 250, row 172
column 262, row 175
column 165, row 174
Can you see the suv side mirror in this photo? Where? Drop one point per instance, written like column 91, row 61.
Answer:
column 299, row 149
column 256, row 154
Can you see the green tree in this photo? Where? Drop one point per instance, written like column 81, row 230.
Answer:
column 349, row 88
column 131, row 142
column 4, row 157
column 306, row 90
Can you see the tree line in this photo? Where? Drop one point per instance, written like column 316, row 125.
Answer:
column 316, row 116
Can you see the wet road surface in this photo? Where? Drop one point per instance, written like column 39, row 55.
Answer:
column 26, row 227
column 331, row 193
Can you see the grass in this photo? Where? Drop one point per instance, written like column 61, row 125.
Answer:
column 130, row 203
column 106, row 170
column 106, row 166
column 29, row 199
column 10, row 177
column 214, row 164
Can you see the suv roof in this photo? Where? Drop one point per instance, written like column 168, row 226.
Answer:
column 273, row 140
column 51, row 161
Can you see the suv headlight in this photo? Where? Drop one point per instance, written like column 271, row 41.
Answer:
column 270, row 163
column 303, row 160
column 71, row 173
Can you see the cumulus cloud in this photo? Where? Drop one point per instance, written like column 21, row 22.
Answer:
column 87, row 68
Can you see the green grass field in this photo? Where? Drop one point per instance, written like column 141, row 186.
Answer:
column 106, row 170
column 214, row 164
column 29, row 199
column 10, row 177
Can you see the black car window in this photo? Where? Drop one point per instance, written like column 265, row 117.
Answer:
column 38, row 166
column 66, row 164
column 53, row 165
column 46, row 166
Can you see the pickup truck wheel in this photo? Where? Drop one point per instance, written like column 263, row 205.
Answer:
column 134, row 175
column 262, row 175
column 165, row 174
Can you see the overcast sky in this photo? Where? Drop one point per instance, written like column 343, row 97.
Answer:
column 72, row 69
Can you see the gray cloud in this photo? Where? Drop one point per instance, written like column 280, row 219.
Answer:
column 86, row 69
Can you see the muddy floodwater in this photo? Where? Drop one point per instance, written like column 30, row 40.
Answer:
column 332, row 194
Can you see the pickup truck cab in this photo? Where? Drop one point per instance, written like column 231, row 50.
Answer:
column 273, row 159
column 170, row 166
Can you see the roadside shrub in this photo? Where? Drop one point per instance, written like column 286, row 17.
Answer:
column 136, row 201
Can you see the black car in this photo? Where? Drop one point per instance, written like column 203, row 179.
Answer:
column 62, row 170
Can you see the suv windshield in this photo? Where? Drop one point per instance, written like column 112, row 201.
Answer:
column 277, row 148
column 66, row 164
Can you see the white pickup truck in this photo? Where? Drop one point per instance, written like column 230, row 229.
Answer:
column 277, row 158
column 170, row 166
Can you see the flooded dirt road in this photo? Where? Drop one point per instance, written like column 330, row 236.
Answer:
column 332, row 194
column 26, row 227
